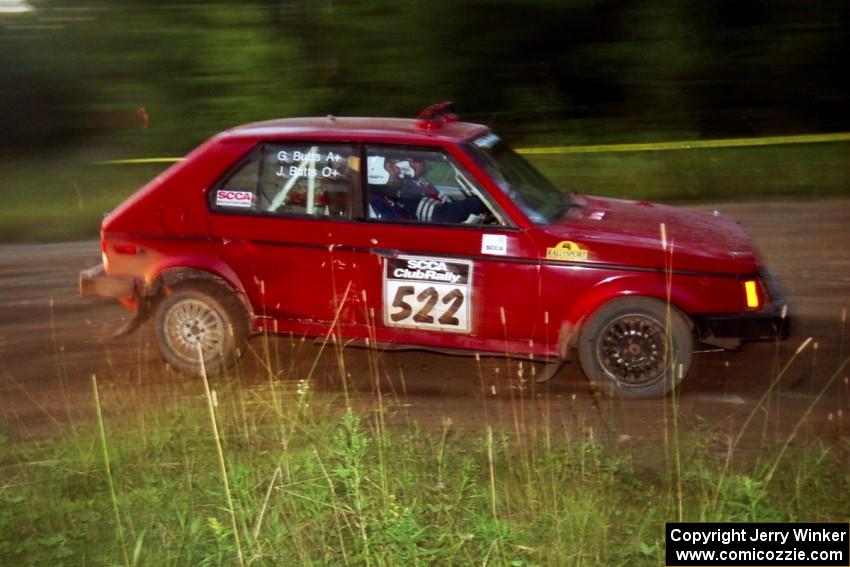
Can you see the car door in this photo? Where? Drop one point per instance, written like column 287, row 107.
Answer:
column 275, row 217
column 430, row 277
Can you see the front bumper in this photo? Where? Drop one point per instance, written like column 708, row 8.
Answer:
column 772, row 322
column 759, row 326
column 96, row 283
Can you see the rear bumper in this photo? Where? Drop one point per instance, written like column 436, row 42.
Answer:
column 96, row 283
column 773, row 322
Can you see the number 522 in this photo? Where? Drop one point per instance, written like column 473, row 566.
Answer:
column 427, row 299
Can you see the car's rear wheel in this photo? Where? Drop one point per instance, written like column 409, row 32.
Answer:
column 636, row 347
column 200, row 316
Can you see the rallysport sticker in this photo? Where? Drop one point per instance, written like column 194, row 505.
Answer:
column 230, row 198
column 567, row 251
column 428, row 293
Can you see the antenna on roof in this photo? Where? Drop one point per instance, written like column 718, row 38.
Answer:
column 434, row 116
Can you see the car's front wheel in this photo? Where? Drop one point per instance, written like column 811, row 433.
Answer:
column 636, row 347
column 200, row 319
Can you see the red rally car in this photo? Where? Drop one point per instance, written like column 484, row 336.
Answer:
column 429, row 233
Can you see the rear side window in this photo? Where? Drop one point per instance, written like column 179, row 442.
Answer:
column 314, row 179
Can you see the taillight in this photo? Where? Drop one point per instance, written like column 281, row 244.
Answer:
column 752, row 294
column 126, row 249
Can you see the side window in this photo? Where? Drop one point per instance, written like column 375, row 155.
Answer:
column 285, row 179
column 423, row 185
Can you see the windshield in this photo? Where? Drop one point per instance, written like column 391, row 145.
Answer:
column 527, row 187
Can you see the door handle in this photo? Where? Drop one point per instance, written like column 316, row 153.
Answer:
column 384, row 252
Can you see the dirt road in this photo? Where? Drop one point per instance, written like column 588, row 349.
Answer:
column 51, row 342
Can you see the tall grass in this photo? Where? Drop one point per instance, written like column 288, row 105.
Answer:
column 321, row 480
column 112, row 496
column 351, row 480
column 222, row 465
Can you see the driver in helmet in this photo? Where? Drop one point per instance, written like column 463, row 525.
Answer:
column 408, row 195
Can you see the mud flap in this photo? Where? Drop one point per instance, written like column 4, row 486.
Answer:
column 549, row 371
column 565, row 339
column 139, row 317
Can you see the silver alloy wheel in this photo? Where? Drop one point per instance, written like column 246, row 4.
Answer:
column 632, row 349
column 191, row 322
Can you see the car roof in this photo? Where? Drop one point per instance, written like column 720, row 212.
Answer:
column 357, row 128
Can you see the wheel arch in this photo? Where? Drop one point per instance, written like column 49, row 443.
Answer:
column 174, row 276
column 616, row 289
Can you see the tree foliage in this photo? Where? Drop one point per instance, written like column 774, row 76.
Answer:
column 583, row 70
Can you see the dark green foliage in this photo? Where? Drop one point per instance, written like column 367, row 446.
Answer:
column 585, row 70
column 78, row 82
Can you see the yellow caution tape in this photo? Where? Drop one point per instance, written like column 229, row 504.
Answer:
column 139, row 160
column 647, row 147
column 690, row 144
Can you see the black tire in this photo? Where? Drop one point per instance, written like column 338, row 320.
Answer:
column 636, row 347
column 205, row 312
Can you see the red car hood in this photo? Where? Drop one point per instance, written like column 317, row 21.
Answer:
column 629, row 232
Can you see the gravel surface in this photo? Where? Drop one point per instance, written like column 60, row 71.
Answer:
column 51, row 342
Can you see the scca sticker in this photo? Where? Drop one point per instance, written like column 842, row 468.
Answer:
column 494, row 244
column 428, row 293
column 229, row 198
column 568, row 251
